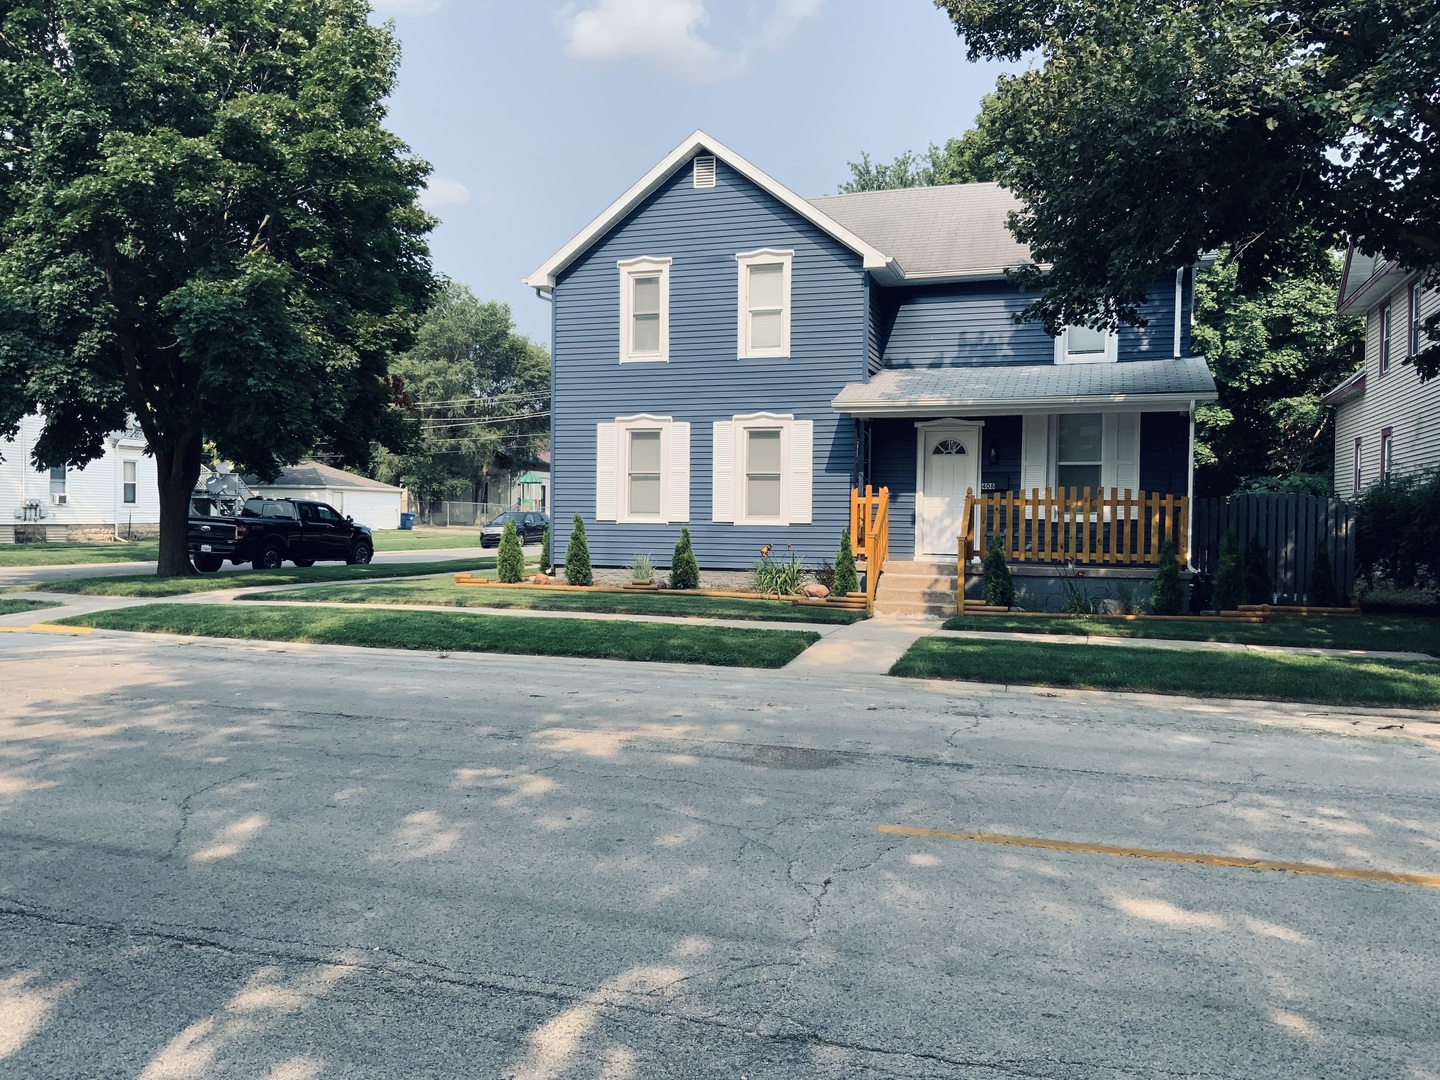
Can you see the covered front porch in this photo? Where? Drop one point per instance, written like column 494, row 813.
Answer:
column 1089, row 469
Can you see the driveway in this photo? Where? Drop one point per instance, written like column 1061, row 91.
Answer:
column 261, row 861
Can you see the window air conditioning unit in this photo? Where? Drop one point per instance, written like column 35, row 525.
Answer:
column 58, row 500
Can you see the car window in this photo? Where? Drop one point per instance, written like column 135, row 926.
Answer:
column 500, row 519
column 307, row 512
column 325, row 514
column 277, row 510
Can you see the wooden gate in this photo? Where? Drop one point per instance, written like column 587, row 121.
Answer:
column 1291, row 528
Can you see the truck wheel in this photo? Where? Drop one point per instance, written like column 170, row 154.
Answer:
column 360, row 553
column 271, row 558
column 208, row 564
column 303, row 562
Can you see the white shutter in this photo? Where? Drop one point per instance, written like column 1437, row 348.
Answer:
column 605, row 472
column 722, row 472
column 678, row 497
column 1034, row 452
column 1127, row 451
column 802, row 471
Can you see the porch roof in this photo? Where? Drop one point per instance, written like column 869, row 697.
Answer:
column 1138, row 384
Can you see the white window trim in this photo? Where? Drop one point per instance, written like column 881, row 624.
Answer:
column 1112, row 350
column 763, row 257
column 796, row 474
column 624, row 425
column 762, row 422
column 134, row 465
column 643, row 266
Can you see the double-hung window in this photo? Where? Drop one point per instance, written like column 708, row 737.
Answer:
column 764, row 314
column 1084, row 345
column 1412, row 327
column 762, row 469
column 1355, row 475
column 642, row 473
column 642, row 470
column 57, row 479
column 644, row 310
column 1384, row 339
column 762, row 474
column 1078, row 450
column 1387, row 455
column 127, row 482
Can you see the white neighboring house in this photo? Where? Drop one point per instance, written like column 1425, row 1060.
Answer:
column 1387, row 422
column 368, row 501
column 113, row 496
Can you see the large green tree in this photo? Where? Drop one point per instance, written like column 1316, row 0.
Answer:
column 205, row 226
column 1276, row 348
column 972, row 157
column 476, row 390
column 1155, row 130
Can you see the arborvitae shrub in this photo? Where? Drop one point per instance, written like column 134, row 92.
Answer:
column 999, row 587
column 1323, row 590
column 684, row 567
column 545, row 560
column 1258, row 589
column 577, row 556
column 1167, row 595
column 1229, row 576
column 846, row 580
column 511, row 562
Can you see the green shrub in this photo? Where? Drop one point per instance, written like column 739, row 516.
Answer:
column 999, row 586
column 511, row 562
column 1323, row 590
column 1229, row 575
column 684, row 567
column 577, row 556
column 846, row 579
column 545, row 561
column 1258, row 589
column 1167, row 595
column 1397, row 533
column 780, row 574
column 642, row 569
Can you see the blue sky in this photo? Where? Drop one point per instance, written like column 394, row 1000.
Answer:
column 537, row 114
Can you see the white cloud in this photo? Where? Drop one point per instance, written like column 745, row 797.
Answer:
column 666, row 34
column 441, row 192
column 405, row 7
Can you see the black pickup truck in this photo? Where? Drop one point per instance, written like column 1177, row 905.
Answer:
column 267, row 532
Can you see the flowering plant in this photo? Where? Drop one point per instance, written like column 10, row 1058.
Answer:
column 778, row 574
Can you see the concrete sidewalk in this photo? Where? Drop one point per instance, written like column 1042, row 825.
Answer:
column 868, row 647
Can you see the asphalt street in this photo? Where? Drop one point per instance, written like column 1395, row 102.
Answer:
column 288, row 862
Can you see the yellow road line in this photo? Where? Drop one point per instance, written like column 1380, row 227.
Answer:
column 1430, row 881
column 46, row 628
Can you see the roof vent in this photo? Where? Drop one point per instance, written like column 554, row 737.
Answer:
column 705, row 171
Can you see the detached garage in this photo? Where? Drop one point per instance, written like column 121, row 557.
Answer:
column 368, row 501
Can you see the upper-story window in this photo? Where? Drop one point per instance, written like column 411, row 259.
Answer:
column 1412, row 328
column 1084, row 345
column 1384, row 339
column 644, row 309
column 764, row 316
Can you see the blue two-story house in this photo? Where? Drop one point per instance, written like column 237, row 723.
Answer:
column 731, row 357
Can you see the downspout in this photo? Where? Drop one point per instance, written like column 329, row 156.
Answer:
column 1179, row 306
column 116, row 489
column 1190, row 493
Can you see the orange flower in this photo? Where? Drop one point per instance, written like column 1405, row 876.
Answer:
column 765, row 550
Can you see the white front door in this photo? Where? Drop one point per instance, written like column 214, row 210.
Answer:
column 949, row 466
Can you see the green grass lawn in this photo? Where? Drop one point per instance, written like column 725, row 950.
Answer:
column 1269, row 677
column 1401, row 633
column 426, row 539
column 11, row 606
column 455, row 632
column 447, row 593
column 140, row 585
column 62, row 554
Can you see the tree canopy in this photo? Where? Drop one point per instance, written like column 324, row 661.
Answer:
column 204, row 225
column 1155, row 131
column 970, row 158
column 477, row 390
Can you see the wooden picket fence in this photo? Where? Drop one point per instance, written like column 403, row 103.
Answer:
column 870, row 535
column 1291, row 528
column 1106, row 527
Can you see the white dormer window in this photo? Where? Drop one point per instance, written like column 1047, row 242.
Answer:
column 764, row 315
column 1084, row 345
column 644, row 310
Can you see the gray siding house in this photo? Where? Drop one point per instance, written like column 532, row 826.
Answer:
column 1387, row 422
column 731, row 357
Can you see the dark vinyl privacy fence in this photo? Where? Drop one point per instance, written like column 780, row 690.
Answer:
column 1291, row 528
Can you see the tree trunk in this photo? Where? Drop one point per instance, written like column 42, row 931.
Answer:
column 178, row 470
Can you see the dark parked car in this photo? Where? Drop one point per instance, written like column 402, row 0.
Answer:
column 530, row 524
column 267, row 532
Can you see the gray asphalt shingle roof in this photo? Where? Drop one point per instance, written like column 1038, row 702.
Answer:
column 954, row 230
column 312, row 474
column 916, row 390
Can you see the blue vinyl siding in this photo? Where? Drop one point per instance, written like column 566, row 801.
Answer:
column 702, row 231
column 973, row 323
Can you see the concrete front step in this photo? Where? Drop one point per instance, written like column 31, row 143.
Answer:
column 914, row 607
column 889, row 593
column 912, row 582
column 920, row 566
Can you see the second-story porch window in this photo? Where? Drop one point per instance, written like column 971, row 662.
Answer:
column 1084, row 345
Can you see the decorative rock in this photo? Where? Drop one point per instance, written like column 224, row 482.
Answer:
column 814, row 590
column 540, row 579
